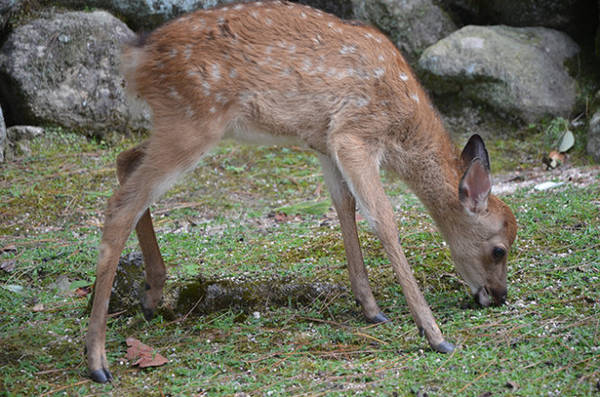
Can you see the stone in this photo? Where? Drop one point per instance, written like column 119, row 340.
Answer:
column 412, row 25
column 593, row 137
column 147, row 15
column 64, row 70
column 516, row 72
column 23, row 132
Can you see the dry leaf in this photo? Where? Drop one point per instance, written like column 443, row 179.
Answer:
column 38, row 307
column 83, row 291
column 145, row 355
column 554, row 160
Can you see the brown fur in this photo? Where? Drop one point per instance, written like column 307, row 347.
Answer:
column 285, row 72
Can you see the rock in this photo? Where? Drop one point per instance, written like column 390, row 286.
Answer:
column 63, row 70
column 3, row 142
column 567, row 15
column 412, row 25
column 147, row 15
column 593, row 137
column 23, row 132
column 576, row 17
column 517, row 72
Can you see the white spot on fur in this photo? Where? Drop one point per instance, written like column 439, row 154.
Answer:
column 189, row 112
column 233, row 73
column 348, row 49
column 292, row 48
column 173, row 53
column 269, row 50
column 381, row 58
column 213, row 109
column 174, row 94
column 269, row 21
column 379, row 72
column 303, row 15
column 238, row 7
column 215, row 71
column 414, row 97
column 224, row 8
column 206, row 88
column 220, row 98
column 254, row 14
column 187, row 52
column 403, row 77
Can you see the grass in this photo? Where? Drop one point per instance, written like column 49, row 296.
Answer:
column 222, row 221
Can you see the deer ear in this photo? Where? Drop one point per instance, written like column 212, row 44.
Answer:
column 474, row 187
column 475, row 149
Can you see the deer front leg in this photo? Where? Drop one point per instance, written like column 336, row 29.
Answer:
column 359, row 166
column 345, row 206
column 127, row 162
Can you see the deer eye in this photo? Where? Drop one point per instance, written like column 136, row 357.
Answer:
column 498, row 253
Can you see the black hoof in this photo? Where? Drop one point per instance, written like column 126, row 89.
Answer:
column 444, row 347
column 101, row 375
column 379, row 318
column 148, row 313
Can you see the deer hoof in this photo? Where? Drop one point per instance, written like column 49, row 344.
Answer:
column 148, row 312
column 101, row 375
column 379, row 318
column 444, row 347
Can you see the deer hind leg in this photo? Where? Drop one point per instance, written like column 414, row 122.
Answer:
column 359, row 166
column 166, row 156
column 127, row 162
column 345, row 206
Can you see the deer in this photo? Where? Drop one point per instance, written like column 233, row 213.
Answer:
column 275, row 72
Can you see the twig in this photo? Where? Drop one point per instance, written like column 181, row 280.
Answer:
column 481, row 375
column 65, row 387
column 370, row 337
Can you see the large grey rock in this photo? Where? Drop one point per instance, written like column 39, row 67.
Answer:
column 63, row 70
column 593, row 138
column 517, row 72
column 2, row 136
column 413, row 25
column 148, row 14
column 571, row 16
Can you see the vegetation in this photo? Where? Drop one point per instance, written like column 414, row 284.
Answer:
column 264, row 212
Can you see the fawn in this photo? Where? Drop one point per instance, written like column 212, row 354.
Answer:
column 278, row 72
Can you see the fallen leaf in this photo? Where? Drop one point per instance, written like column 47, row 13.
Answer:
column 145, row 355
column 38, row 307
column 9, row 265
column 83, row 291
column 566, row 142
column 9, row 248
column 486, row 394
column 281, row 217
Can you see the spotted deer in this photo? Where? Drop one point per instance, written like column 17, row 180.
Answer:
column 281, row 73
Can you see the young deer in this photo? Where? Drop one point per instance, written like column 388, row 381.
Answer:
column 279, row 72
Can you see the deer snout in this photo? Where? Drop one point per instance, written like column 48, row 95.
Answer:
column 498, row 296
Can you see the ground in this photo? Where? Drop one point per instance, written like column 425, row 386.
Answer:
column 263, row 213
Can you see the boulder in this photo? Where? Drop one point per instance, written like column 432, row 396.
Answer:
column 3, row 143
column 63, row 70
column 412, row 25
column 593, row 138
column 23, row 132
column 517, row 72
column 576, row 17
column 147, row 15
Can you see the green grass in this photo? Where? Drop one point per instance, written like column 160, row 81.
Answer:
column 220, row 221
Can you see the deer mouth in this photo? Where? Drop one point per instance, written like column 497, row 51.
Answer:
column 487, row 296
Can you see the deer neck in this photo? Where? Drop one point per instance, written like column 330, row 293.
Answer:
column 430, row 166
